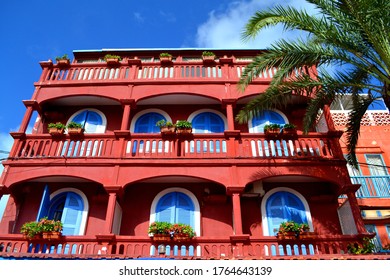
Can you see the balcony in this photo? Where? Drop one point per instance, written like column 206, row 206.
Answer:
column 204, row 146
column 116, row 246
column 372, row 186
column 146, row 72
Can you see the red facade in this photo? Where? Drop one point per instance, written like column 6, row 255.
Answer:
column 230, row 181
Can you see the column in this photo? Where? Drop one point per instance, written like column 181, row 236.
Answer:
column 30, row 105
column 128, row 104
column 237, row 219
column 229, row 104
column 110, row 212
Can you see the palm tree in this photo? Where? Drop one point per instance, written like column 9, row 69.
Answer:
column 354, row 35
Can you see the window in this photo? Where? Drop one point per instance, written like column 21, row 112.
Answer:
column 376, row 165
column 176, row 205
column 281, row 205
column 374, row 240
column 256, row 125
column 147, row 123
column 69, row 205
column 208, row 122
column 93, row 121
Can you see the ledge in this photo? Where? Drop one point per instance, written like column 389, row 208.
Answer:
column 239, row 237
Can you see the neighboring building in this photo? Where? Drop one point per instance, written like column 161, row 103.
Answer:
column 231, row 182
column 373, row 171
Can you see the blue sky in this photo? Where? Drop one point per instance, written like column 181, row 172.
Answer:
column 34, row 31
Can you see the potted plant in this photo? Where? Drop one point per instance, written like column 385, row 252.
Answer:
column 182, row 232
column 165, row 57
column 160, row 231
column 208, row 56
column 51, row 229
column 166, row 127
column 74, row 128
column 272, row 130
column 291, row 230
column 365, row 247
column 56, row 128
column 31, row 230
column 112, row 59
column 289, row 130
column 63, row 60
column 183, row 127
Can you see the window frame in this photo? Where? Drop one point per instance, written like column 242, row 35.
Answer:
column 252, row 129
column 147, row 111
column 198, row 112
column 101, row 128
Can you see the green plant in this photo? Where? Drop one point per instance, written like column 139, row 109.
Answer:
column 31, row 229
column 183, row 124
column 208, row 53
column 164, row 123
column 112, row 56
column 272, row 126
column 366, row 247
column 289, row 126
column 46, row 225
column 292, row 227
column 183, row 229
column 165, row 54
column 64, row 57
column 74, row 125
column 57, row 125
column 160, row 228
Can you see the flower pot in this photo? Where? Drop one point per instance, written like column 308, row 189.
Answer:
column 208, row 58
column 56, row 131
column 112, row 61
column 183, row 130
column 272, row 133
column 51, row 235
column 63, row 62
column 75, row 131
column 287, row 236
column 181, row 238
column 165, row 59
column 307, row 235
column 167, row 130
column 161, row 237
column 289, row 132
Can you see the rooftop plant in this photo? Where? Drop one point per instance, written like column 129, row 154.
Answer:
column 165, row 54
column 112, row 56
column 208, row 53
column 64, row 57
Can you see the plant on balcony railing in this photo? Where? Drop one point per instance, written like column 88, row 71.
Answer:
column 165, row 57
column 291, row 229
column 56, row 128
column 166, row 127
column 183, row 127
column 272, row 130
column 74, row 128
column 112, row 58
column 63, row 60
column 366, row 247
column 44, row 228
column 165, row 231
column 289, row 130
column 208, row 56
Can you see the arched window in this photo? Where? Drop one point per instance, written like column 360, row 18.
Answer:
column 92, row 120
column 147, row 123
column 208, row 122
column 68, row 205
column 68, row 208
column 175, row 207
column 281, row 205
column 256, row 125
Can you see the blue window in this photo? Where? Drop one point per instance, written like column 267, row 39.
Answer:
column 284, row 206
column 208, row 122
column 175, row 207
column 147, row 123
column 91, row 121
column 67, row 207
column 266, row 117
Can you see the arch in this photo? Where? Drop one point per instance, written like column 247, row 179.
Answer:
column 85, row 206
column 190, row 195
column 256, row 124
column 139, row 115
column 264, row 212
column 214, row 121
column 93, row 120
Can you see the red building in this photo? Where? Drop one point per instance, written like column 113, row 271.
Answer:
column 231, row 182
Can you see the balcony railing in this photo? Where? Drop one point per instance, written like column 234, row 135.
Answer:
column 201, row 247
column 372, row 186
column 147, row 71
column 204, row 146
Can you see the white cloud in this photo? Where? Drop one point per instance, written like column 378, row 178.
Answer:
column 223, row 30
column 138, row 17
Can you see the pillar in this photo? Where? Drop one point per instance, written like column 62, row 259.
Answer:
column 128, row 104
column 110, row 212
column 30, row 106
column 237, row 218
column 229, row 105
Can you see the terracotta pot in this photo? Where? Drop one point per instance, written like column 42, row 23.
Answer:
column 167, row 130
column 181, row 238
column 184, row 130
column 161, row 237
column 56, row 131
column 75, row 131
column 51, row 235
